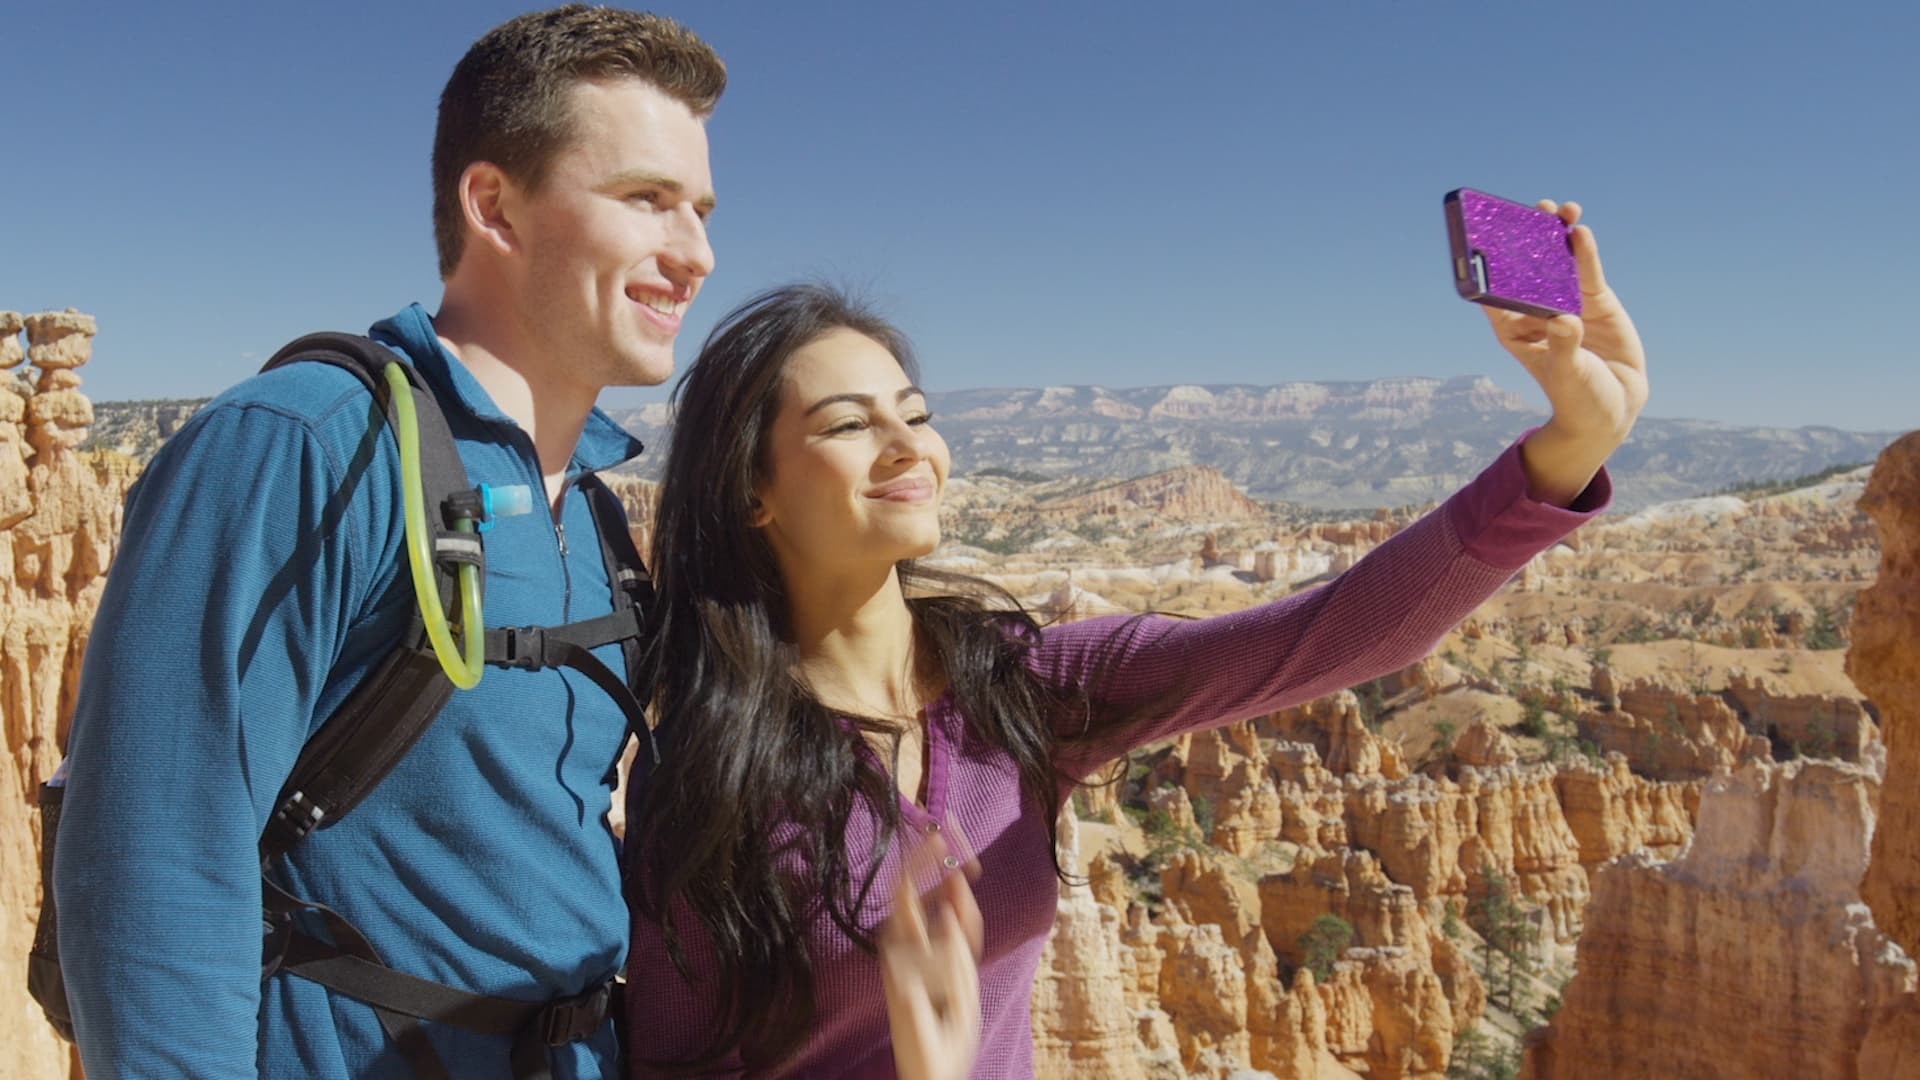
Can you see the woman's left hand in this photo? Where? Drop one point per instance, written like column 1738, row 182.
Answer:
column 1591, row 366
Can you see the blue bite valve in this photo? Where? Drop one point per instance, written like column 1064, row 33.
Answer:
column 509, row 500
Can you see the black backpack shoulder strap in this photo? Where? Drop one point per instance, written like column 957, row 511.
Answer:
column 390, row 710
column 632, row 591
column 442, row 473
column 381, row 721
column 626, row 572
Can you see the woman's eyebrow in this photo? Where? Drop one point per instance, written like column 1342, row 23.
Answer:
column 861, row 399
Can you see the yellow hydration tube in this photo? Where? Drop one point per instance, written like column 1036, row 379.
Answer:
column 465, row 672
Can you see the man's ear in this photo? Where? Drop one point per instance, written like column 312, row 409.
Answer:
column 487, row 200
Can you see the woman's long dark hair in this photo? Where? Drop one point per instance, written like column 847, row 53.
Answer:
column 740, row 838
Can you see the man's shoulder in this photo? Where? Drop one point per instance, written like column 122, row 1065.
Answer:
column 329, row 402
column 308, row 390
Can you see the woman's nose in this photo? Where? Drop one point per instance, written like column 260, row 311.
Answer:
column 903, row 441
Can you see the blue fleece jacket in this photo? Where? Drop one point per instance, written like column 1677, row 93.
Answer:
column 260, row 577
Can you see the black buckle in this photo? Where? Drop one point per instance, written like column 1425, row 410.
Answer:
column 526, row 647
column 634, row 581
column 573, row 1019
column 298, row 816
column 463, row 506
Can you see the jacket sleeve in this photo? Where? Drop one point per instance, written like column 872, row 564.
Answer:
column 1153, row 677
column 223, row 613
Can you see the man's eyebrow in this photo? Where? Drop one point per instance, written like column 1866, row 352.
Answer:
column 643, row 178
column 861, row 399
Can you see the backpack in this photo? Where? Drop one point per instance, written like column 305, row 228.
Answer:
column 382, row 719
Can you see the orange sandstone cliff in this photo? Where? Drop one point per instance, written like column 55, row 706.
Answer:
column 1885, row 662
column 59, row 521
column 1773, row 945
column 1655, row 659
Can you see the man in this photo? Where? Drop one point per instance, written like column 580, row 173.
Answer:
column 261, row 577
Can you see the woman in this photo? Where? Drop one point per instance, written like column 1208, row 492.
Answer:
column 822, row 698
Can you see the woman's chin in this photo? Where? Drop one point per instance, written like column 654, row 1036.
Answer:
column 916, row 546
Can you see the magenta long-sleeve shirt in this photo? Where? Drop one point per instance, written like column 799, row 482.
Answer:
column 1383, row 614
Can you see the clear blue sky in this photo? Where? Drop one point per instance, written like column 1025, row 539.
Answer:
column 1042, row 193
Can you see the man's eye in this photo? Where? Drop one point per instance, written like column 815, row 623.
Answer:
column 651, row 198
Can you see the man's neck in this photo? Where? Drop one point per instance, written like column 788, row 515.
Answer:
column 553, row 412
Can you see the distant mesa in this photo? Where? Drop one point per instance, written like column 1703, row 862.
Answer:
column 1193, row 492
column 1347, row 445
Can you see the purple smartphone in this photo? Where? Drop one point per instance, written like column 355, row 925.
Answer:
column 1511, row 256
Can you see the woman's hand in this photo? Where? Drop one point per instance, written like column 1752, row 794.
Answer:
column 929, row 955
column 1591, row 366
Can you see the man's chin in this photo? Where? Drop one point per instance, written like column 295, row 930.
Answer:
column 646, row 371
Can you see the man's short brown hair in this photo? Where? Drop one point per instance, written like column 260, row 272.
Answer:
column 509, row 99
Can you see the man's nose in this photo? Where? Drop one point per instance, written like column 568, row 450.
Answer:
column 689, row 255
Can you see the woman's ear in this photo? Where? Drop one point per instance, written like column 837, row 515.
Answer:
column 757, row 513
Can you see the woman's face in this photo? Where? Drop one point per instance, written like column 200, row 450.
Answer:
column 854, row 469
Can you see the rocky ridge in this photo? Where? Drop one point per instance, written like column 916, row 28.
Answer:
column 1792, row 909
column 1304, row 814
column 1569, row 734
column 1759, row 919
column 1576, row 719
column 59, row 522
column 1329, row 445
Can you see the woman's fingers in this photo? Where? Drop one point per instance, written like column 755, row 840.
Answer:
column 929, row 949
column 1586, row 252
column 1564, row 334
column 1524, row 336
column 961, row 978
column 1515, row 327
column 1586, row 258
column 908, row 924
column 957, row 902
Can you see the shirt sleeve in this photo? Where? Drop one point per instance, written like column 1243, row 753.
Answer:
column 1166, row 676
column 222, row 615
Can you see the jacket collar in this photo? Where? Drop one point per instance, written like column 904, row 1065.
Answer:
column 603, row 443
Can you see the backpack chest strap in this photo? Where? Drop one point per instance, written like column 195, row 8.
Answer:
column 536, row 647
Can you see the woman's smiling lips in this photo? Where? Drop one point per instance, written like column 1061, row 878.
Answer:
column 907, row 489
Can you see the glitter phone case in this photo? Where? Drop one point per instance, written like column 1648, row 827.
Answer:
column 1511, row 256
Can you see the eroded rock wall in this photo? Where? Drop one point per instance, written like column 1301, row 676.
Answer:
column 1749, row 955
column 1885, row 662
column 1779, row 942
column 59, row 522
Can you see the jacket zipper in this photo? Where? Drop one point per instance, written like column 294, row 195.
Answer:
column 566, row 572
column 532, row 459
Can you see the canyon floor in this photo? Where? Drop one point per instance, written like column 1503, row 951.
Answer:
column 1628, row 819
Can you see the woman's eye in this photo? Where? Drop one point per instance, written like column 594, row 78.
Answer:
column 923, row 418
column 846, row 426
